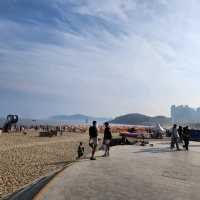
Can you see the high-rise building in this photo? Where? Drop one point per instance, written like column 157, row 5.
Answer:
column 185, row 114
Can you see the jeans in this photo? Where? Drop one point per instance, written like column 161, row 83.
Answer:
column 174, row 141
column 186, row 141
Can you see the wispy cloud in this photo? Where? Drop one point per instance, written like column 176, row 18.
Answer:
column 99, row 57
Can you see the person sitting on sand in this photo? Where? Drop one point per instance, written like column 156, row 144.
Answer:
column 107, row 139
column 93, row 138
column 80, row 150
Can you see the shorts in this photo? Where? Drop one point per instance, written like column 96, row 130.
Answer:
column 106, row 141
column 94, row 141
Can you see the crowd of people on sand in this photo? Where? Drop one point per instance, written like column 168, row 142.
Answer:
column 180, row 135
column 47, row 128
column 93, row 140
column 61, row 128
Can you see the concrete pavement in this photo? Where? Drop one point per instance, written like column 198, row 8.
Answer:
column 131, row 172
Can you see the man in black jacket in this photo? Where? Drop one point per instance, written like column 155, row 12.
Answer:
column 107, row 139
column 186, row 137
column 180, row 133
column 93, row 141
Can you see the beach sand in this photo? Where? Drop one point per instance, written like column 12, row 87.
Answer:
column 25, row 158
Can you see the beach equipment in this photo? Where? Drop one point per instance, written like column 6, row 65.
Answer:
column 10, row 121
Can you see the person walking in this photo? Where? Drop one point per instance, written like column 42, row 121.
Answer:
column 93, row 139
column 174, row 137
column 186, row 137
column 107, row 139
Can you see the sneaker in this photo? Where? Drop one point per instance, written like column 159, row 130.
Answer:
column 92, row 158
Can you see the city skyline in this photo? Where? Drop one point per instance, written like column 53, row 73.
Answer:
column 99, row 58
column 185, row 114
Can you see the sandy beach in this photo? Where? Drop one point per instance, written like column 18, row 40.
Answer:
column 25, row 158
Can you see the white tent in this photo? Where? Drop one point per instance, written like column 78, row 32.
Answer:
column 159, row 129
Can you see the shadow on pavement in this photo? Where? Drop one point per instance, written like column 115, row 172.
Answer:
column 154, row 150
column 194, row 145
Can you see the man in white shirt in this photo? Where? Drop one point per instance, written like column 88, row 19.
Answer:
column 174, row 137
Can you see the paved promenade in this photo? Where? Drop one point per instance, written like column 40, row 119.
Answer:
column 131, row 172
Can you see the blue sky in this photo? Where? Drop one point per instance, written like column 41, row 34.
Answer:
column 102, row 58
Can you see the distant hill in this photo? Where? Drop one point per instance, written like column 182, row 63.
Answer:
column 77, row 118
column 140, row 119
column 131, row 119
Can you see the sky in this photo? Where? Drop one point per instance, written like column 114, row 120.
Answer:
column 98, row 57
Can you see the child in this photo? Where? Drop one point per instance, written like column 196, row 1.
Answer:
column 80, row 150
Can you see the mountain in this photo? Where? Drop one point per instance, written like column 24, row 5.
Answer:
column 140, row 119
column 132, row 119
column 77, row 118
column 70, row 117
